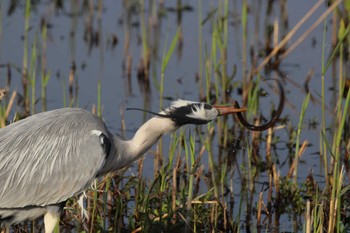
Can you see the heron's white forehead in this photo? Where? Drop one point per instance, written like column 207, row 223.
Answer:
column 198, row 112
column 180, row 103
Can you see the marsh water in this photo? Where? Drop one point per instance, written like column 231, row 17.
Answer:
column 104, row 61
column 93, row 53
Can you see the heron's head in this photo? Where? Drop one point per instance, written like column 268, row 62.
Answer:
column 183, row 112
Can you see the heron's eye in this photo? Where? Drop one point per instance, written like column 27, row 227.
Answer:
column 207, row 106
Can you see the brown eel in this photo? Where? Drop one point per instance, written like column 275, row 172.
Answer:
column 271, row 122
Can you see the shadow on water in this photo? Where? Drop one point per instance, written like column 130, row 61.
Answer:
column 102, row 56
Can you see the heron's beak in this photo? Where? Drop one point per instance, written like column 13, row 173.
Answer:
column 225, row 110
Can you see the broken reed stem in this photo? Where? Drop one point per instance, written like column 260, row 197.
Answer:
column 311, row 28
column 25, row 58
column 285, row 40
column 289, row 35
column 270, row 190
column 268, row 146
column 308, row 220
column 301, row 151
column 276, row 179
column 200, row 52
column 9, row 106
column 122, row 121
column 44, row 75
column 71, row 83
column 269, row 194
column 259, row 208
column 8, row 109
column 174, row 190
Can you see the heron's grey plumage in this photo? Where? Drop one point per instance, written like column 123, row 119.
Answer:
column 40, row 155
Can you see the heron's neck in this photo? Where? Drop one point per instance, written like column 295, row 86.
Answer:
column 145, row 137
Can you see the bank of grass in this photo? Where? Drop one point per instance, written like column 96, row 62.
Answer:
column 208, row 179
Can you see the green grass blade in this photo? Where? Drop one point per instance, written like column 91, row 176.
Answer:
column 343, row 35
column 300, row 125
column 171, row 49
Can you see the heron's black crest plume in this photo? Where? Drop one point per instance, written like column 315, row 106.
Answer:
column 150, row 112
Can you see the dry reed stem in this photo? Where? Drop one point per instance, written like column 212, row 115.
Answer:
column 3, row 92
column 268, row 145
column 174, row 191
column 277, row 178
column 8, row 109
column 334, row 207
column 269, row 193
column 332, row 216
column 198, row 175
column 256, row 142
column 139, row 229
column 122, row 122
column 10, row 104
column 290, row 34
column 275, row 33
column 93, row 109
column 259, row 208
column 129, row 65
column 71, row 81
column 311, row 28
column 301, row 151
column 347, row 154
column 308, row 219
column 265, row 208
column 214, row 202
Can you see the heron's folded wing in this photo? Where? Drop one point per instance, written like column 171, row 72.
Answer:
column 49, row 158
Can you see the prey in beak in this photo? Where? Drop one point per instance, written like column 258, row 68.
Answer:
column 225, row 110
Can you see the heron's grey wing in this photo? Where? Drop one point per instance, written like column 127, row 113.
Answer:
column 49, row 157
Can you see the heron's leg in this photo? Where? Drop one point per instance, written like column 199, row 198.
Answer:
column 50, row 221
column 52, row 216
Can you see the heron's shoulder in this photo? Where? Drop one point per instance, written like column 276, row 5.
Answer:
column 61, row 119
column 66, row 113
column 70, row 116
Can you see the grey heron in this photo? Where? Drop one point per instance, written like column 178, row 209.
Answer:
column 51, row 156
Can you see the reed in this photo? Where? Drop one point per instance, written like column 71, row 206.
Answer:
column 25, row 58
column 323, row 145
column 45, row 74
column 32, row 75
column 99, row 107
column 297, row 143
column 245, row 80
column 190, row 160
column 341, row 113
column 200, row 51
